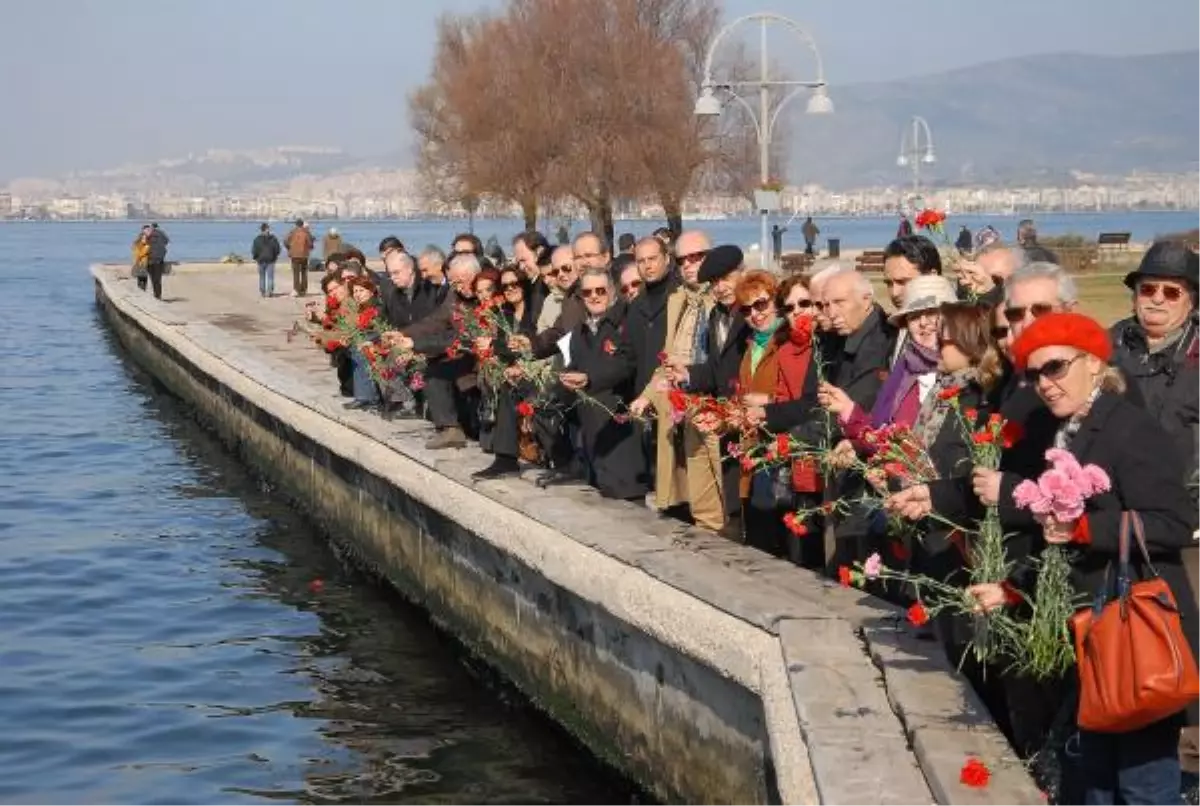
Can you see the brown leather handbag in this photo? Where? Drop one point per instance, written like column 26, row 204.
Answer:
column 1135, row 664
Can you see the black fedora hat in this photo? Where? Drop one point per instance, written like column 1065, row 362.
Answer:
column 1172, row 260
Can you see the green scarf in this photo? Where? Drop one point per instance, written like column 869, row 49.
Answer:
column 759, row 348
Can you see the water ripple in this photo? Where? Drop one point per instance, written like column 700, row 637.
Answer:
column 159, row 641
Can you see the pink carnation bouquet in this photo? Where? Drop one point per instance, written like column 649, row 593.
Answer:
column 1059, row 492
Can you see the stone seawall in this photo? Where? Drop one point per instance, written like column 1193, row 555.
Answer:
column 702, row 669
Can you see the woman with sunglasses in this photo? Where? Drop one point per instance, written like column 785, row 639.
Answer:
column 764, row 501
column 1064, row 356
column 499, row 433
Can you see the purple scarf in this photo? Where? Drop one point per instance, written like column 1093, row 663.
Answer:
column 914, row 361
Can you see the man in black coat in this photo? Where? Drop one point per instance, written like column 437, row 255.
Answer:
column 157, row 264
column 856, row 358
column 646, row 322
column 448, row 387
column 264, row 252
column 611, row 443
column 1159, row 347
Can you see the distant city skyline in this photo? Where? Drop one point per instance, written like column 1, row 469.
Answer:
column 137, row 81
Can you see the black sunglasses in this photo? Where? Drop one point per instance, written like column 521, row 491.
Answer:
column 999, row 332
column 803, row 305
column 1017, row 312
column 691, row 257
column 634, row 286
column 758, row 306
column 1171, row 293
column 1053, row 370
column 510, row 284
column 588, row 293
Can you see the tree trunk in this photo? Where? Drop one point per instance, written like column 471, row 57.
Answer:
column 529, row 210
column 673, row 209
column 600, row 212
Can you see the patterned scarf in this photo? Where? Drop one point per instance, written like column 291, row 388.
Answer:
column 1070, row 427
column 933, row 412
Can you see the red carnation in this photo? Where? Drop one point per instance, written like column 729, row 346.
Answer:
column 678, row 400
column 982, row 438
column 783, row 446
column 747, row 464
column 1011, row 433
column 900, row 552
column 975, row 773
column 609, row 347
column 971, row 414
column 365, row 317
column 918, row 615
column 662, row 356
column 827, row 507
column 930, row 219
column 525, row 409
column 950, row 392
column 795, row 525
column 844, row 576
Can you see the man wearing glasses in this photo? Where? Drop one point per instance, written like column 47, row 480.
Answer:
column 688, row 468
column 1158, row 347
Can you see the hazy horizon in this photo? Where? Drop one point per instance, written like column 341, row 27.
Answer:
column 137, row 81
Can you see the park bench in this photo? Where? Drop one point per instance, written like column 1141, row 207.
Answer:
column 796, row 263
column 1113, row 240
column 870, row 260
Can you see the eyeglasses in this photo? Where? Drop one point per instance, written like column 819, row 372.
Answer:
column 802, row 304
column 633, row 286
column 1053, row 370
column 691, row 257
column 1016, row 313
column 588, row 293
column 758, row 306
column 1171, row 293
column 999, row 332
column 555, row 271
column 510, row 285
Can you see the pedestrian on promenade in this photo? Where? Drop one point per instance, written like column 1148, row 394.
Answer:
column 157, row 265
column 810, row 231
column 332, row 243
column 141, row 257
column 265, row 252
column 964, row 240
column 299, row 243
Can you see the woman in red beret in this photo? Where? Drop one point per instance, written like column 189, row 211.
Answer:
column 1064, row 356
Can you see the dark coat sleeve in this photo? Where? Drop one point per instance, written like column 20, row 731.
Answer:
column 1146, row 470
column 434, row 333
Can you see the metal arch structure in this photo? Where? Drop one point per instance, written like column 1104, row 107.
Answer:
column 912, row 152
column 764, row 119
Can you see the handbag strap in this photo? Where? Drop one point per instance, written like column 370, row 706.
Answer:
column 1139, row 533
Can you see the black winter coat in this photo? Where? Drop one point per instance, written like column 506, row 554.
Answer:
column 613, row 448
column 718, row 374
column 265, row 249
column 1169, row 380
column 1145, row 467
column 646, row 329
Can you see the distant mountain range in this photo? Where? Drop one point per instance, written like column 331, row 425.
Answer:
column 1035, row 120
column 1030, row 119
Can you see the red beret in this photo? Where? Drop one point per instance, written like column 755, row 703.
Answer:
column 1062, row 330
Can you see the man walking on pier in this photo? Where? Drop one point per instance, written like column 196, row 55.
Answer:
column 265, row 251
column 299, row 243
column 157, row 265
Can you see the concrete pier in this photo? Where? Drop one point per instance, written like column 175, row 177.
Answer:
column 704, row 670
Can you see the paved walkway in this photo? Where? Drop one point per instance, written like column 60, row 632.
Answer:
column 885, row 717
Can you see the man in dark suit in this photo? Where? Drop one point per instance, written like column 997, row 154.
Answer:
column 856, row 360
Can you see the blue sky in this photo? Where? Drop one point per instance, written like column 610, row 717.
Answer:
column 97, row 83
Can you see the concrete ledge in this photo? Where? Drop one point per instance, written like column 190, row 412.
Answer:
column 703, row 669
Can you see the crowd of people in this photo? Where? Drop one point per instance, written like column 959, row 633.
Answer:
column 776, row 411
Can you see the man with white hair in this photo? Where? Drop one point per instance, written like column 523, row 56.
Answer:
column 857, row 355
column 432, row 336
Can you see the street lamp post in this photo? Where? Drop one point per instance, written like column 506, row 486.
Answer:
column 709, row 104
column 912, row 153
